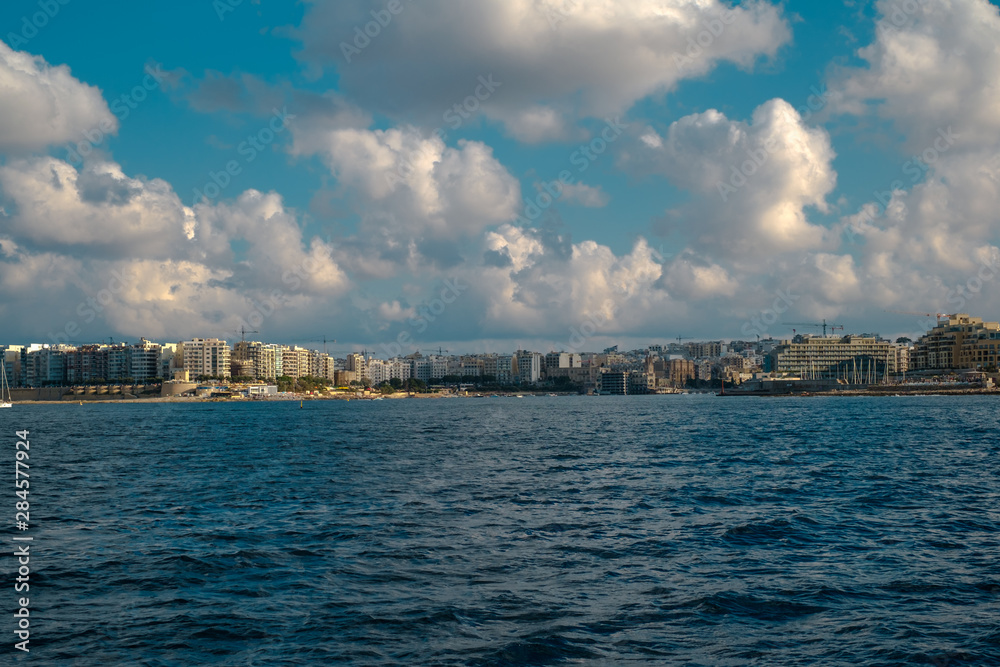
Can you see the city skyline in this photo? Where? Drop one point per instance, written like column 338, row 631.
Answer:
column 958, row 345
column 641, row 172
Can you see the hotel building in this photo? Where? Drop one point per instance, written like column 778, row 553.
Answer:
column 856, row 359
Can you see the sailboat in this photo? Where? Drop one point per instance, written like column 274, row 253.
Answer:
column 5, row 400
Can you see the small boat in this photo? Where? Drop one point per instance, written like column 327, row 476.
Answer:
column 5, row 400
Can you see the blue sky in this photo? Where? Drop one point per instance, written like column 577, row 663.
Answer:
column 350, row 181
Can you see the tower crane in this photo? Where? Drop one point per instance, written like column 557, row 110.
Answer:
column 323, row 339
column 243, row 331
column 822, row 325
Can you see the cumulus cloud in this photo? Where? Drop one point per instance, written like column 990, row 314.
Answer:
column 546, row 291
column 692, row 280
column 933, row 65
column 69, row 236
column 274, row 252
column 584, row 195
column 752, row 181
column 930, row 75
column 41, row 104
column 556, row 62
column 417, row 197
column 100, row 208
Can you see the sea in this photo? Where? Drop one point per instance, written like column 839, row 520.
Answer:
column 551, row 530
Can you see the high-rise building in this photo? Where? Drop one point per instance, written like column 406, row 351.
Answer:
column 472, row 367
column 88, row 363
column 529, row 366
column 614, row 382
column 959, row 342
column 295, row 362
column 45, row 365
column 11, row 356
column 206, row 356
column 500, row 367
column 420, row 368
column 355, row 363
column 143, row 361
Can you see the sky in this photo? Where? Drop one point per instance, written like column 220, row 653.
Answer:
column 407, row 175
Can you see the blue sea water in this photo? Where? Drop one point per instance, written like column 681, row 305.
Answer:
column 661, row 530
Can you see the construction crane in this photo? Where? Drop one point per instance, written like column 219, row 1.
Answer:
column 242, row 331
column 323, row 340
column 822, row 325
column 681, row 339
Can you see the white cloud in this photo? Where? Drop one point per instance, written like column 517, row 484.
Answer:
column 752, row 181
column 417, row 197
column 275, row 254
column 693, row 281
column 536, row 125
column 931, row 75
column 99, row 207
column 41, row 104
column 70, row 236
column 545, row 289
column 933, row 65
column 585, row 195
column 394, row 311
column 555, row 64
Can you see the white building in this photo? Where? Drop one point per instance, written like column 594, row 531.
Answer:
column 563, row 360
column 529, row 366
column 144, row 361
column 356, row 364
column 206, row 356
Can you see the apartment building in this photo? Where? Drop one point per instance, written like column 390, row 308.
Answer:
column 500, row 367
column 614, row 382
column 528, row 366
column 206, row 356
column 563, row 360
column 355, row 363
column 959, row 342
column 143, row 361
column 44, row 365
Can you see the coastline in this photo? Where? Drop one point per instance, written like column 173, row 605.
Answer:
column 888, row 392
